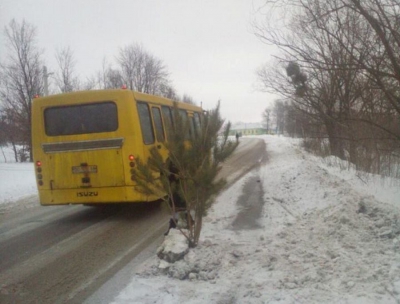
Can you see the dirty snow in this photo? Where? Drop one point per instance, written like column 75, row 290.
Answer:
column 322, row 238
column 325, row 235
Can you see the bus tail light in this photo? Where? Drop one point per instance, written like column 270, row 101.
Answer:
column 39, row 172
column 131, row 161
column 132, row 165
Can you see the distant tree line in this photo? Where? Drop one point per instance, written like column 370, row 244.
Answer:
column 23, row 74
column 339, row 77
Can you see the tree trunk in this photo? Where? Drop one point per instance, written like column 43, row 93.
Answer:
column 335, row 143
column 4, row 155
column 15, row 151
column 197, row 228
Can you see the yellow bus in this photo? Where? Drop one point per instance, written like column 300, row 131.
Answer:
column 85, row 143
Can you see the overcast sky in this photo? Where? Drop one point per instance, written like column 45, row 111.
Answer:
column 208, row 45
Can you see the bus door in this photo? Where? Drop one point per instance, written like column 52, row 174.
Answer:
column 160, row 130
column 153, row 130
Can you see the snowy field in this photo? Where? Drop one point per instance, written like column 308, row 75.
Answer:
column 324, row 236
column 17, row 182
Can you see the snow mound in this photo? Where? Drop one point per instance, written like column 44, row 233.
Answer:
column 178, row 262
column 349, row 246
column 174, row 247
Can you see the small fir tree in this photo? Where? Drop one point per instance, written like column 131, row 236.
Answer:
column 188, row 178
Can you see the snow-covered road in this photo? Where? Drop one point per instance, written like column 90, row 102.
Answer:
column 320, row 238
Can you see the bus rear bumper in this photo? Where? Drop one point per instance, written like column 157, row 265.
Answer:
column 105, row 195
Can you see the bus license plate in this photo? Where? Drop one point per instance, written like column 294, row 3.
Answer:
column 84, row 169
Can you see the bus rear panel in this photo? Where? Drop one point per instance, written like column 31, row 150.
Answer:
column 84, row 147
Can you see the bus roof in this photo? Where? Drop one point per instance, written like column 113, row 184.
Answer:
column 101, row 94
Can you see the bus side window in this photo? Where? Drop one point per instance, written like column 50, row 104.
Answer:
column 193, row 130
column 167, row 116
column 158, row 124
column 197, row 123
column 185, row 117
column 145, row 123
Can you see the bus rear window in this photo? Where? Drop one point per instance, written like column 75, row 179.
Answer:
column 81, row 119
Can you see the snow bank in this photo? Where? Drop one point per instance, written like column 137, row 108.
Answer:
column 17, row 183
column 174, row 247
column 385, row 189
column 321, row 240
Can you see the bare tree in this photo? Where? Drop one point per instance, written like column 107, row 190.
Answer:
column 65, row 78
column 142, row 71
column 22, row 79
column 286, row 117
column 188, row 99
column 109, row 77
column 371, row 43
column 383, row 61
column 279, row 114
column 267, row 117
column 347, row 50
column 168, row 91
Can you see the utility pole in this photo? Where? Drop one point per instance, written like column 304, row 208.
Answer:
column 46, row 80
